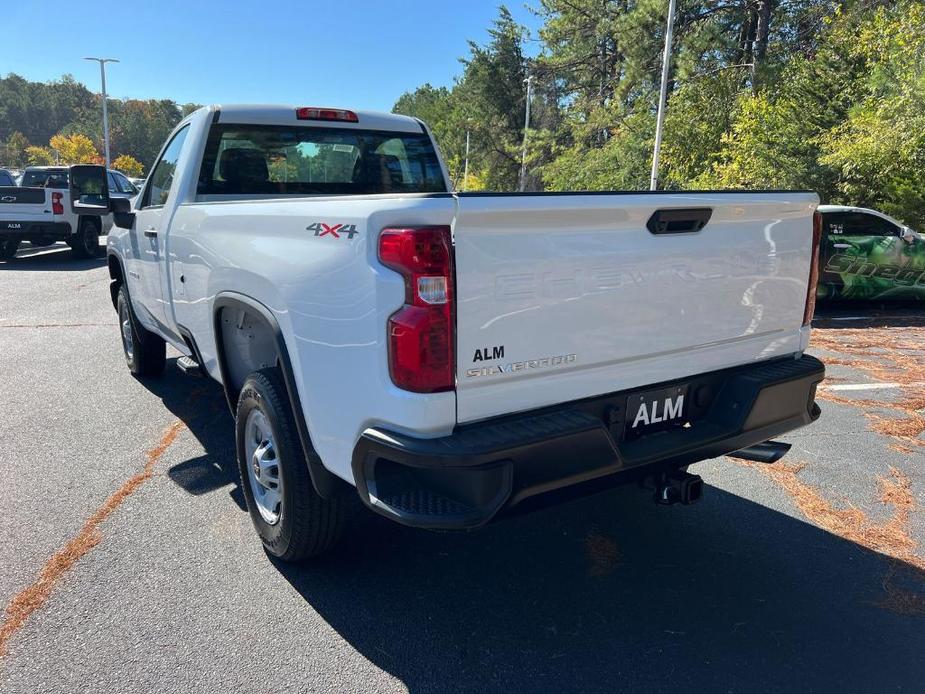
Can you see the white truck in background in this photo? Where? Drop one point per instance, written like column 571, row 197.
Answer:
column 39, row 211
column 450, row 357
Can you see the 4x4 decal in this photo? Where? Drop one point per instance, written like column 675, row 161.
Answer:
column 335, row 230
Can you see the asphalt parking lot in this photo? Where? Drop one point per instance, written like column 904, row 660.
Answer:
column 808, row 575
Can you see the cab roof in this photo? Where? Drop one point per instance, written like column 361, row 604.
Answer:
column 282, row 114
column 851, row 208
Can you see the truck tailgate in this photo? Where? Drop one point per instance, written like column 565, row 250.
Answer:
column 15, row 202
column 567, row 296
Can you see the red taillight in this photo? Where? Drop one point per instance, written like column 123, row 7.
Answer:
column 421, row 351
column 810, row 307
column 315, row 113
column 56, row 206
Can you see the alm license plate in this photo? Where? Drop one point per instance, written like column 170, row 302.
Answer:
column 655, row 410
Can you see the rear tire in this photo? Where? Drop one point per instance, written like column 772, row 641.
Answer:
column 86, row 242
column 293, row 522
column 145, row 353
column 8, row 248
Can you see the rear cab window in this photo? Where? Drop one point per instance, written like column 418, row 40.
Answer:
column 308, row 160
column 45, row 178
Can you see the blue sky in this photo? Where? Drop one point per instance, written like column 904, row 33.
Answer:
column 356, row 53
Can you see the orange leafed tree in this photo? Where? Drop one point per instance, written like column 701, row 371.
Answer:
column 75, row 149
column 128, row 165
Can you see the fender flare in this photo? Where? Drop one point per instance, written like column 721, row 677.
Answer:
column 325, row 482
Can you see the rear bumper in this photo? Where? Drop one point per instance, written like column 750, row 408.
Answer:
column 480, row 470
column 27, row 230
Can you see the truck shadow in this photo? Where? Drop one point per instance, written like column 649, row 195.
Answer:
column 613, row 593
column 200, row 404
column 605, row 593
column 54, row 258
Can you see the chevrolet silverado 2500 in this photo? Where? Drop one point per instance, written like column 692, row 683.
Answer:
column 39, row 211
column 448, row 356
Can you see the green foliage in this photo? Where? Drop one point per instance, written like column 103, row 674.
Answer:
column 13, row 151
column 38, row 111
column 41, row 110
column 695, row 125
column 878, row 151
column 438, row 108
column 491, row 92
column 827, row 95
column 139, row 128
column 487, row 101
column 847, row 121
column 620, row 163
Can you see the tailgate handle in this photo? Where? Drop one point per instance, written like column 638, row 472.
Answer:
column 679, row 221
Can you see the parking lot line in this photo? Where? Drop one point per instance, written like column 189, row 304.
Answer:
column 861, row 386
column 870, row 386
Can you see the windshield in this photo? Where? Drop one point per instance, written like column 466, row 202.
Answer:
column 299, row 160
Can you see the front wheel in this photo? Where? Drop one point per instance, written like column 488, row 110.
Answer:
column 86, row 242
column 8, row 248
column 145, row 353
column 293, row 522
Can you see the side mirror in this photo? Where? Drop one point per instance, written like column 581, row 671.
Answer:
column 907, row 235
column 89, row 189
column 122, row 215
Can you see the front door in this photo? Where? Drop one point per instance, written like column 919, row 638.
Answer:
column 150, row 231
column 863, row 255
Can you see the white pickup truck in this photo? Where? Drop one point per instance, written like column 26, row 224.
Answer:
column 39, row 211
column 451, row 357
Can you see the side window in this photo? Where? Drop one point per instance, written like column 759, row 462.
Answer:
column 161, row 178
column 860, row 224
column 113, row 184
column 5, row 179
column 833, row 223
column 125, row 185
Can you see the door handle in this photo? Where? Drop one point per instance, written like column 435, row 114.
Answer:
column 679, row 221
column 151, row 233
column 841, row 245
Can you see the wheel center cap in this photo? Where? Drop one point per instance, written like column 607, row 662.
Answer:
column 255, row 464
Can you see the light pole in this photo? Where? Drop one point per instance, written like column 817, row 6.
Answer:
column 523, row 156
column 466, row 168
column 663, row 95
column 102, row 62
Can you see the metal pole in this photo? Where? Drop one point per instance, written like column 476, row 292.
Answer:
column 105, row 113
column 523, row 156
column 466, row 170
column 660, row 120
column 102, row 62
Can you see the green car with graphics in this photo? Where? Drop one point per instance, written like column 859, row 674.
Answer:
column 867, row 255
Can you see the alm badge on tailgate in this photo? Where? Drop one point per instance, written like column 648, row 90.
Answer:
column 655, row 410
